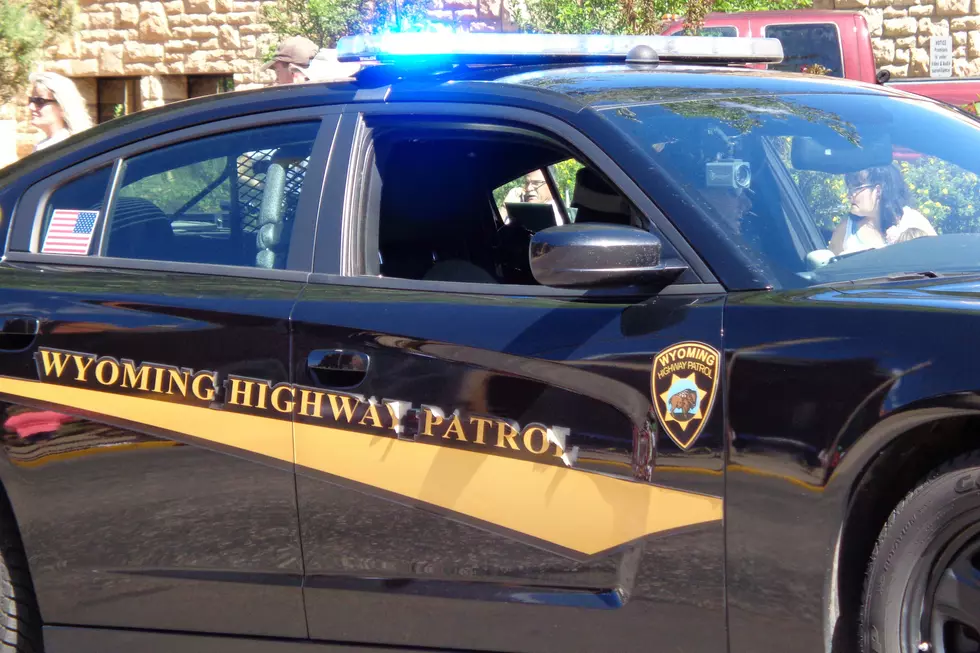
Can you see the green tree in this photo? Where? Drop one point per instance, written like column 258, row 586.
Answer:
column 325, row 21
column 631, row 16
column 26, row 27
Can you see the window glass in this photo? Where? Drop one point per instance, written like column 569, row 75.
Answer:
column 71, row 214
column 821, row 188
column 812, row 48
column 228, row 199
column 201, row 85
column 117, row 96
column 462, row 205
column 717, row 30
column 532, row 188
column 564, row 174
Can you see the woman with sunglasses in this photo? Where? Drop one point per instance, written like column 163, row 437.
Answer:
column 879, row 211
column 57, row 109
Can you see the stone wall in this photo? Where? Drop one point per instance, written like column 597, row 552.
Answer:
column 900, row 32
column 161, row 45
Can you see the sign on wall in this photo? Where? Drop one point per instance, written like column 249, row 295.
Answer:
column 941, row 56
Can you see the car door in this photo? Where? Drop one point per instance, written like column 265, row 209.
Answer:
column 147, row 293
column 480, row 464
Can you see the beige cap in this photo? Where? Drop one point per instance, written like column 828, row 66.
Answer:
column 325, row 67
column 296, row 50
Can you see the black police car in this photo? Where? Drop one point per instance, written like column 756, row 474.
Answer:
column 536, row 344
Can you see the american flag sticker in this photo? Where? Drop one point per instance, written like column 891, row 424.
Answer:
column 70, row 232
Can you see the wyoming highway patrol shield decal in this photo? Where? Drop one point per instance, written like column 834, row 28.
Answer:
column 685, row 378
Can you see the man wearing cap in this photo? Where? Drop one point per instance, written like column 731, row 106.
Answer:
column 291, row 62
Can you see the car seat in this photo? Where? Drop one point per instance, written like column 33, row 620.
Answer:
column 139, row 229
column 597, row 201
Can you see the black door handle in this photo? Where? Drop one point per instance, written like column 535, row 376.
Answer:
column 337, row 368
column 17, row 332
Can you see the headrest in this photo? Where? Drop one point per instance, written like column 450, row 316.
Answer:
column 597, row 201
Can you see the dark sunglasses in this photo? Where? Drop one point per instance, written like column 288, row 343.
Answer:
column 854, row 190
column 41, row 101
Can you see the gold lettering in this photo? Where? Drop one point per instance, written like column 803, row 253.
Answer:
column 372, row 412
column 263, row 392
column 178, row 378
column 208, row 394
column 344, row 406
column 710, row 360
column 481, row 424
column 240, row 392
column 158, row 381
column 457, row 426
column 506, row 432
column 433, row 417
column 529, row 439
column 664, row 360
column 131, row 377
column 101, row 365
column 53, row 360
column 288, row 406
column 81, row 368
column 397, row 410
column 304, row 403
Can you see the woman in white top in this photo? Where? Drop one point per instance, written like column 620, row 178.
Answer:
column 57, row 109
column 879, row 211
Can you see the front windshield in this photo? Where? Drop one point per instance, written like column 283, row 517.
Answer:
column 824, row 188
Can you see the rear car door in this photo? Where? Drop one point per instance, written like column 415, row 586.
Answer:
column 479, row 460
column 148, row 292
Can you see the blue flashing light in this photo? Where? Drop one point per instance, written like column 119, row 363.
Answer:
column 456, row 47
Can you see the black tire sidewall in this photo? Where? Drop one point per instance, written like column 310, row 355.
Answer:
column 931, row 515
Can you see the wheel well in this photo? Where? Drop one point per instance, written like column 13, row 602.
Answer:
column 894, row 472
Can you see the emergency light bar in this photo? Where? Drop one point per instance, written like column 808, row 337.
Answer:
column 454, row 47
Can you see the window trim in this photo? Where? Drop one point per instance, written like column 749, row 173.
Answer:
column 24, row 234
column 840, row 41
column 470, row 288
column 566, row 135
column 142, row 265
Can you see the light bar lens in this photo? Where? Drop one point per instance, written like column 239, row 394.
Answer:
column 496, row 48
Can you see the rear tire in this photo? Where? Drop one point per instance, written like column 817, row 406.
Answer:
column 20, row 622
column 923, row 580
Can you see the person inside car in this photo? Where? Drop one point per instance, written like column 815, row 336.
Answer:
column 879, row 211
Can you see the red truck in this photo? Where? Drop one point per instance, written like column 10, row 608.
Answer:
column 839, row 41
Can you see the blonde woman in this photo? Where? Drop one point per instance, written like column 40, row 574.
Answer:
column 57, row 109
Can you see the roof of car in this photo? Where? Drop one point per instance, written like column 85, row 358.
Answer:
column 617, row 84
column 573, row 86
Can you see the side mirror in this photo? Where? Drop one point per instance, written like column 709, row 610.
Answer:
column 592, row 255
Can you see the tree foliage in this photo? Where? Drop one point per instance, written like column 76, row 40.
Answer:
column 325, row 21
column 26, row 27
column 631, row 16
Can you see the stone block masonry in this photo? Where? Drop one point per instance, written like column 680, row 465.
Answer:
column 901, row 31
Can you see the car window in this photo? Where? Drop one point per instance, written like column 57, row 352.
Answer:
column 72, row 212
column 227, row 199
column 715, row 30
column 820, row 188
column 564, row 174
column 536, row 187
column 485, row 196
column 813, row 48
column 532, row 188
